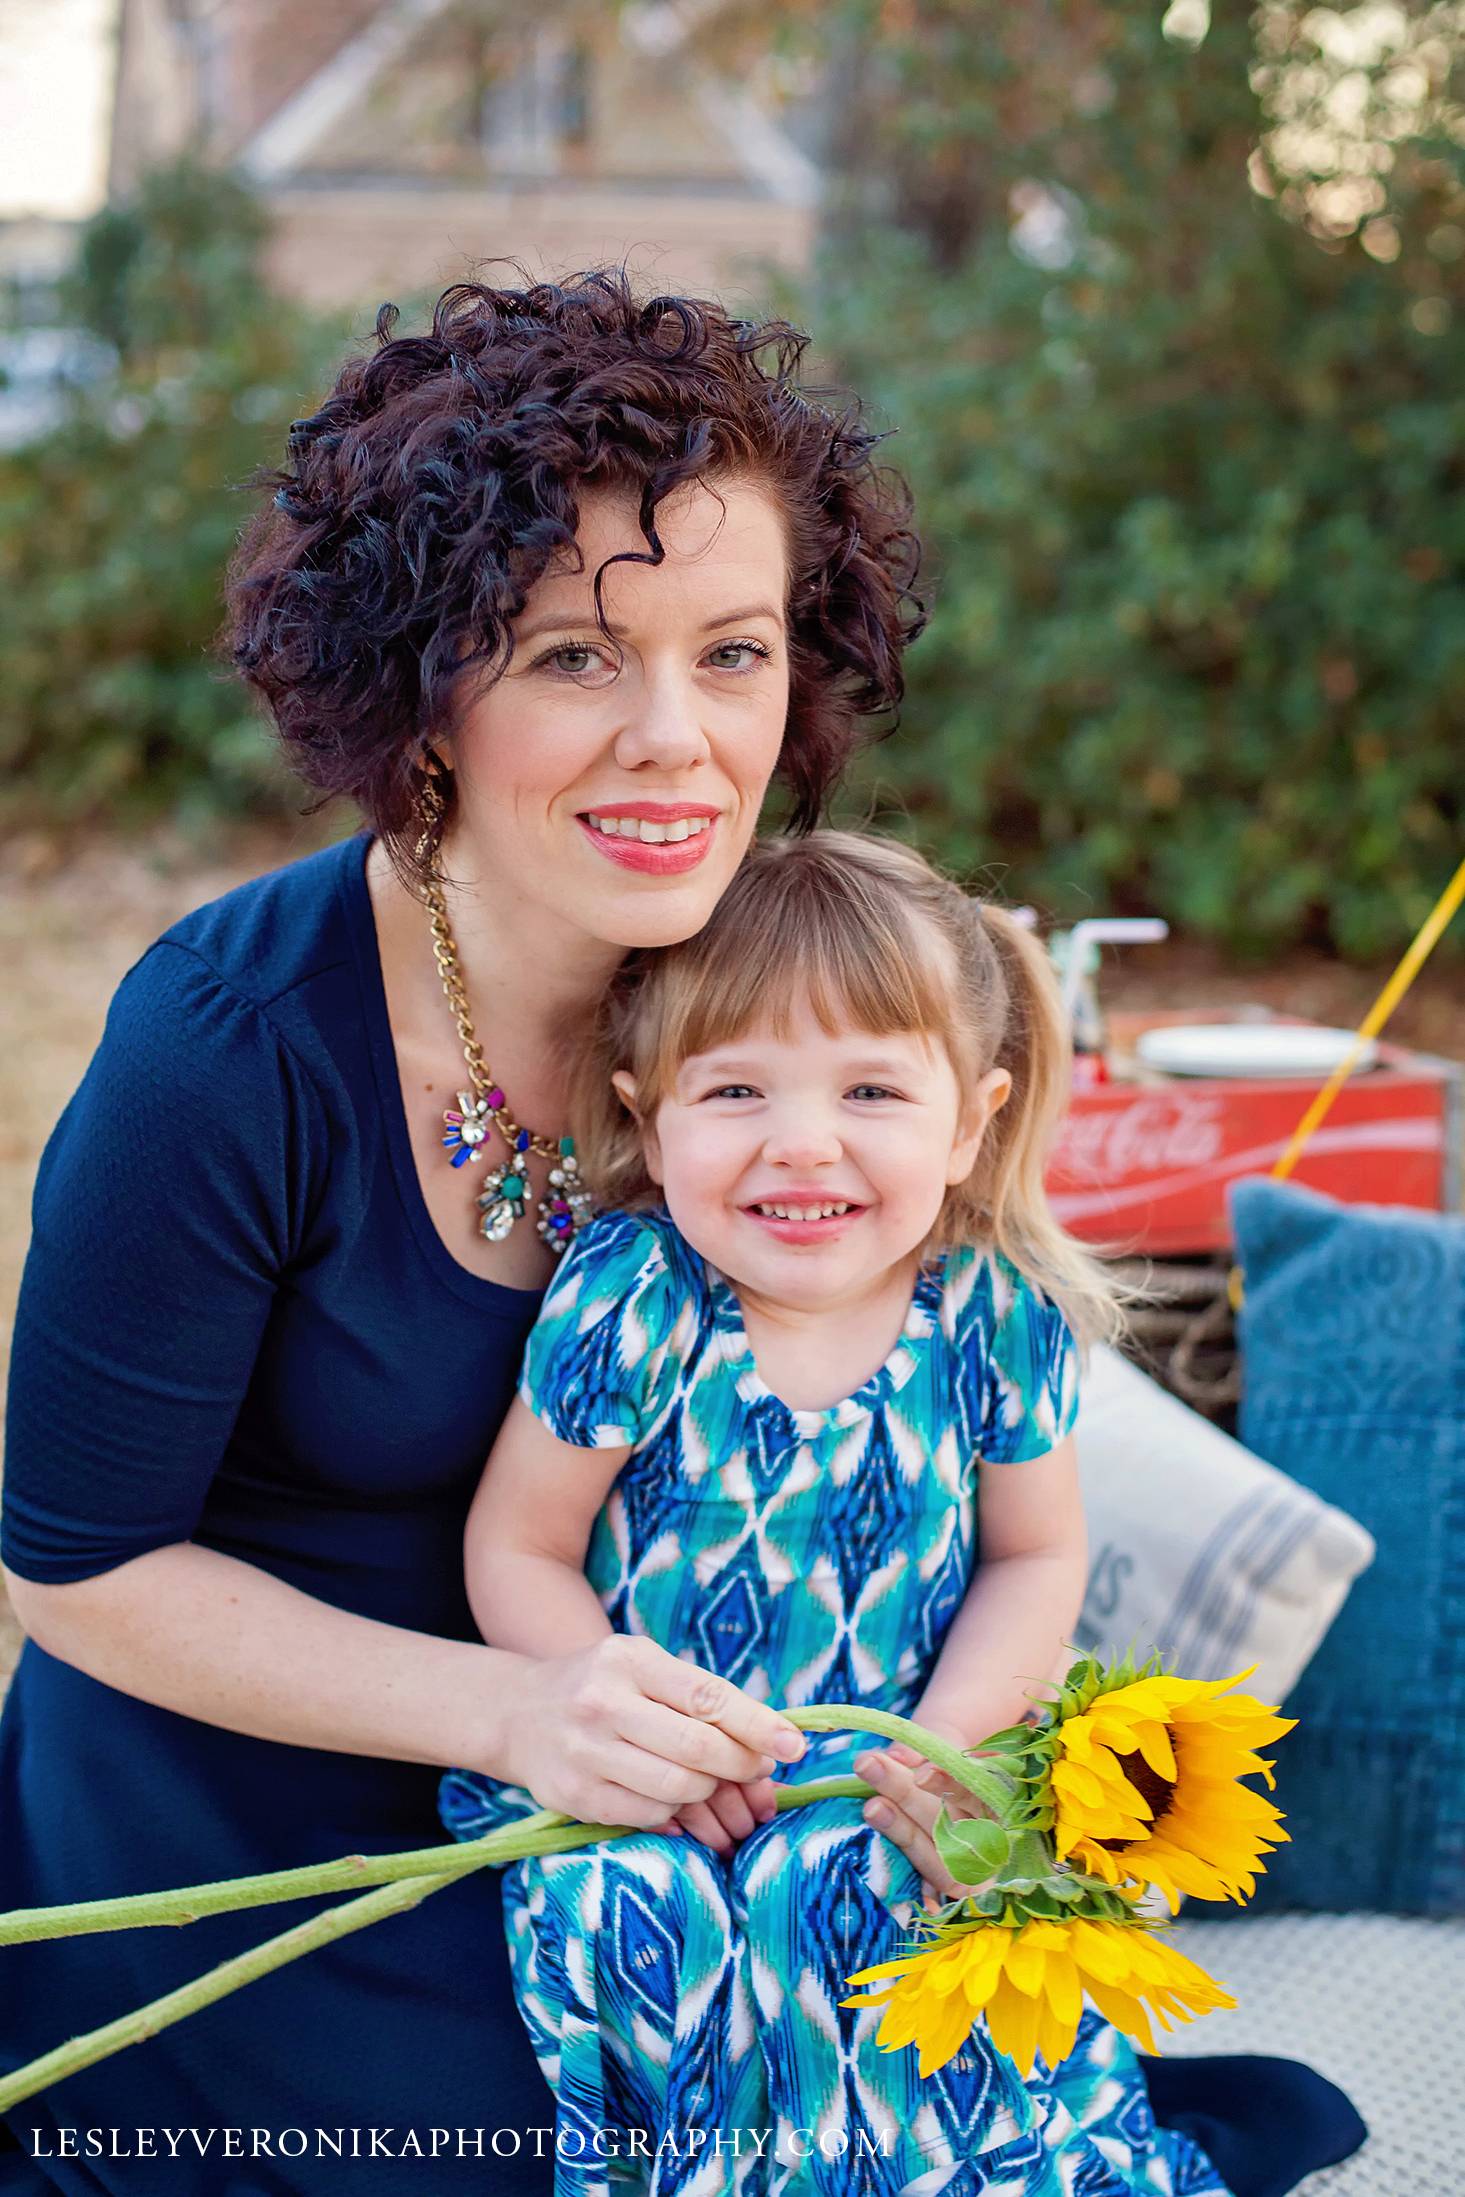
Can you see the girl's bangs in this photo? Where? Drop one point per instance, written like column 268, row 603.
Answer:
column 882, row 973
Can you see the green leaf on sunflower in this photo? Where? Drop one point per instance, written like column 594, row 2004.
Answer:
column 972, row 1848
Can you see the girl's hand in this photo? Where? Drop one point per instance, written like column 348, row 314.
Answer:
column 623, row 1731
column 724, row 1819
column 910, row 1792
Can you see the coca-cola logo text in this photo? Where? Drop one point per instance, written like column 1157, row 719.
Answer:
column 1149, row 1136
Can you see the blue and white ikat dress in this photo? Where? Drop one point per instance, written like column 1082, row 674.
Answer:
column 685, row 2009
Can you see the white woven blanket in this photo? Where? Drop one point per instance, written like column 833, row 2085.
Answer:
column 1374, row 2002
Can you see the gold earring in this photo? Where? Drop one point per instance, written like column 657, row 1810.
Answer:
column 430, row 811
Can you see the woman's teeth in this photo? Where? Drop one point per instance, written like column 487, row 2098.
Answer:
column 638, row 827
column 800, row 1212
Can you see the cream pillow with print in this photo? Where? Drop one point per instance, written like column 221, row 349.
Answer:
column 1197, row 1547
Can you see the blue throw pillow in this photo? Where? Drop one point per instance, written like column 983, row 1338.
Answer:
column 1353, row 1381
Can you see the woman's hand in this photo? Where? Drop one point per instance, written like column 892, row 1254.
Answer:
column 909, row 1796
column 624, row 1732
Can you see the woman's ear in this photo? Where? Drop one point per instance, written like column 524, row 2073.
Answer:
column 991, row 1093
column 625, row 1089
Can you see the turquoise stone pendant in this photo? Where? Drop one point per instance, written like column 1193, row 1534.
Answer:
column 505, row 1193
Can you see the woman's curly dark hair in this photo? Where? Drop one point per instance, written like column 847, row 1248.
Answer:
column 420, row 504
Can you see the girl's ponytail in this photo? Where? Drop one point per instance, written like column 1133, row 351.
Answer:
column 1008, row 1183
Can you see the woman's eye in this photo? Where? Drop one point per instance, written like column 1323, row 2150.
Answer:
column 755, row 649
column 573, row 659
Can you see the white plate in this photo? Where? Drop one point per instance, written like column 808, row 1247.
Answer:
column 1249, row 1049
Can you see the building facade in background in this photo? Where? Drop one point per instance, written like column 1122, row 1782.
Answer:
column 398, row 142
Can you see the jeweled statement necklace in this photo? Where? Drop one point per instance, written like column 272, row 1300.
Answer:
column 505, row 1193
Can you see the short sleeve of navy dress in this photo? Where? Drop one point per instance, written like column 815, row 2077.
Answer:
column 238, row 1325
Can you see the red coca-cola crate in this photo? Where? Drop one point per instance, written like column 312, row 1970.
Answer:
column 1144, row 1160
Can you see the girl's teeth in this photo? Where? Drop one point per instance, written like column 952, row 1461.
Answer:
column 802, row 1212
column 652, row 835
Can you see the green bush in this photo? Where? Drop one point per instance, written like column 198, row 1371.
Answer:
column 1192, row 496
column 115, row 527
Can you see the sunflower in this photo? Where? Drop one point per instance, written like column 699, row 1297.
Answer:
column 1144, row 1783
column 1030, row 1982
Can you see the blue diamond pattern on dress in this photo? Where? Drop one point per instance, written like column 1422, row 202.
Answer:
column 943, row 1597
column 644, row 1952
column 730, row 1628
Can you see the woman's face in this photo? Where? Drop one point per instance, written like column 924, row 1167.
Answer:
column 611, row 787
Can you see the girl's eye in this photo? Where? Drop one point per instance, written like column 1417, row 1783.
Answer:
column 731, row 1090
column 872, row 1090
column 755, row 649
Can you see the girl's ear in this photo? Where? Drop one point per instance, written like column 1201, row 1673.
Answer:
column 625, row 1087
column 991, row 1093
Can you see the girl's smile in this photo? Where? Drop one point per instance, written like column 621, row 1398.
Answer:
column 807, row 1216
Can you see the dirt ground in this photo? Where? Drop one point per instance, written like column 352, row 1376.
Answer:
column 70, row 927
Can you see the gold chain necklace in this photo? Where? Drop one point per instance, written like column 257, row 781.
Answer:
column 505, row 1193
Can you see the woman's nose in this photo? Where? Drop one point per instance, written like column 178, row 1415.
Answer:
column 662, row 728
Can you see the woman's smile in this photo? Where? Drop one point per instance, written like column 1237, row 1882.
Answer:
column 660, row 837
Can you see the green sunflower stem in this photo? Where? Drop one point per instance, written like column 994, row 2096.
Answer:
column 983, row 1781
column 231, row 1975
column 545, row 1833
column 400, row 1882
column 1031, row 1856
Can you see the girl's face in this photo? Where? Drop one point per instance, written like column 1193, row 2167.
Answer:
column 611, row 787
column 806, row 1167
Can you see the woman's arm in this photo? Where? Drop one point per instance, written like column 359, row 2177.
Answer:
column 527, row 1533
column 619, row 1732
column 210, row 1636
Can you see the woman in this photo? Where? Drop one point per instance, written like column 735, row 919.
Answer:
column 263, row 1343
column 552, row 592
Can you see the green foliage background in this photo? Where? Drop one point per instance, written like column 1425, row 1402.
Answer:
column 116, row 526
column 1192, row 495
column 1169, row 326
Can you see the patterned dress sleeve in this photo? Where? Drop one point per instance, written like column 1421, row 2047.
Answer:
column 172, row 1195
column 1020, row 1364
column 604, row 1359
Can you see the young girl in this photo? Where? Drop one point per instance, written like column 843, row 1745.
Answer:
column 798, row 1408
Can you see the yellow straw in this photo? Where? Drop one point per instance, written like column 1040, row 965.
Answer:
column 1378, row 1014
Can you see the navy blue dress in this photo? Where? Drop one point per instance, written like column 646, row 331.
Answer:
column 238, row 1325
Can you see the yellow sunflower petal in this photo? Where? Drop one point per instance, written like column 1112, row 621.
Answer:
column 1124, row 2012
column 1013, row 2019
column 1154, row 1745
column 1063, row 1989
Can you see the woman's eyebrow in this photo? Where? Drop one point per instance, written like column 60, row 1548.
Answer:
column 552, row 619
column 736, row 617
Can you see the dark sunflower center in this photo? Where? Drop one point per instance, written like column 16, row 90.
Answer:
column 1157, row 1790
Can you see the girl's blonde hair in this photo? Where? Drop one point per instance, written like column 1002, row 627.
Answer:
column 871, row 935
